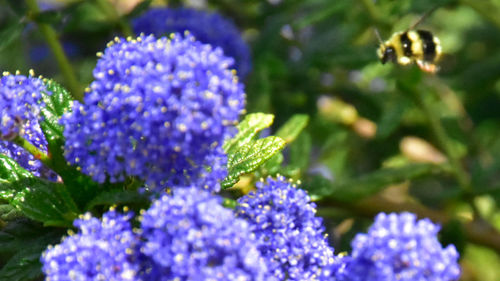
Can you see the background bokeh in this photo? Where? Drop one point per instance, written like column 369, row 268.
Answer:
column 380, row 137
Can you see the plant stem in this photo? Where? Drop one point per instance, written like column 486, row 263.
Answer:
column 477, row 232
column 110, row 11
column 55, row 46
column 451, row 99
column 461, row 175
column 444, row 142
column 39, row 155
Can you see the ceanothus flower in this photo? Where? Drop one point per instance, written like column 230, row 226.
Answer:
column 20, row 102
column 289, row 234
column 103, row 249
column 191, row 236
column 397, row 247
column 208, row 27
column 159, row 109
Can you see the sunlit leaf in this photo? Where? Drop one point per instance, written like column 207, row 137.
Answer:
column 248, row 129
column 250, row 156
column 292, row 128
column 56, row 104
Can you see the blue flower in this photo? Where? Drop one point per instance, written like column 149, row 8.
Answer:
column 101, row 250
column 20, row 102
column 209, row 28
column 289, row 234
column 191, row 236
column 397, row 247
column 159, row 110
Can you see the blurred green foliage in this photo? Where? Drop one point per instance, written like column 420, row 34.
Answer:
column 318, row 58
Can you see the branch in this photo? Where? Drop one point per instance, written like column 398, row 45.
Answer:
column 476, row 232
column 55, row 46
column 38, row 154
column 461, row 175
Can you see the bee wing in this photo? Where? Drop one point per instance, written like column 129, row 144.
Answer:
column 422, row 18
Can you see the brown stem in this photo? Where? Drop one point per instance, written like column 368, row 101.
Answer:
column 475, row 231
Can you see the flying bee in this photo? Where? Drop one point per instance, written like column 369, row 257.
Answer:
column 410, row 46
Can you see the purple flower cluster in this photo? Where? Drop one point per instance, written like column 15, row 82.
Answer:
column 273, row 235
column 185, row 236
column 159, row 109
column 190, row 236
column 289, row 234
column 209, row 28
column 397, row 247
column 20, row 102
column 101, row 250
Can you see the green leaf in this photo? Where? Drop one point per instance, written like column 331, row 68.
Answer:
column 292, row 128
column 47, row 202
column 10, row 33
column 248, row 129
column 11, row 174
column 335, row 154
column 289, row 133
column 271, row 167
column 391, row 117
column 250, row 156
column 300, row 151
column 21, row 245
column 245, row 154
column 57, row 103
column 38, row 199
column 357, row 189
column 118, row 196
column 24, row 233
column 24, row 265
column 9, row 213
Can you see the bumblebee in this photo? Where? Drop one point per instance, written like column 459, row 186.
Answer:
column 410, row 46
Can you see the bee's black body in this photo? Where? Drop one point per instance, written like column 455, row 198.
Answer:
column 418, row 46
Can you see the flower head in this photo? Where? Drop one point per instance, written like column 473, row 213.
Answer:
column 20, row 102
column 101, row 250
column 207, row 27
column 159, row 109
column 289, row 234
column 400, row 248
column 191, row 236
